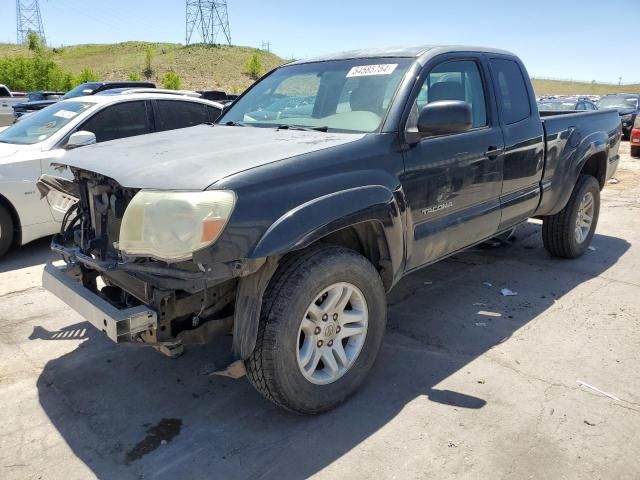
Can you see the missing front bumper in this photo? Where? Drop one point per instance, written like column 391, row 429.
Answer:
column 120, row 325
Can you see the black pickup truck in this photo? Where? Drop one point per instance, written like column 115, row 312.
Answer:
column 287, row 232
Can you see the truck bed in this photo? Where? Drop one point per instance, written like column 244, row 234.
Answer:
column 568, row 137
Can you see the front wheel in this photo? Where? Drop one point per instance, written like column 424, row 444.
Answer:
column 321, row 325
column 635, row 152
column 6, row 231
column 568, row 233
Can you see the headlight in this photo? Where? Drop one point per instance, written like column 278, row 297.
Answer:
column 627, row 117
column 170, row 226
column 636, row 124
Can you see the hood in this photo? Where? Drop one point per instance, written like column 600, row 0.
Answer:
column 7, row 149
column 194, row 158
column 38, row 105
column 11, row 153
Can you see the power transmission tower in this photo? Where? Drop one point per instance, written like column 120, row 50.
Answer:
column 28, row 19
column 209, row 19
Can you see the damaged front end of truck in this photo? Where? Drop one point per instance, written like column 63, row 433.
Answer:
column 131, row 265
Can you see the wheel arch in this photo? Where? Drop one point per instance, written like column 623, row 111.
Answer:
column 596, row 166
column 589, row 158
column 366, row 220
column 15, row 217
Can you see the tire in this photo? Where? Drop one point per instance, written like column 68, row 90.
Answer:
column 560, row 232
column 7, row 231
column 635, row 152
column 276, row 367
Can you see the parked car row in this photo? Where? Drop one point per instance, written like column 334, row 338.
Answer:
column 7, row 100
column 570, row 103
column 85, row 89
column 635, row 138
column 627, row 105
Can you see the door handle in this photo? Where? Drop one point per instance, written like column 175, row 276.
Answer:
column 493, row 152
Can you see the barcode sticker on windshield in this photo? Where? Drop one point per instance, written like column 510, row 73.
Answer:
column 65, row 114
column 367, row 70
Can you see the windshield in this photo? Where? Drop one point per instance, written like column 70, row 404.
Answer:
column 81, row 90
column 40, row 125
column 555, row 106
column 619, row 101
column 341, row 95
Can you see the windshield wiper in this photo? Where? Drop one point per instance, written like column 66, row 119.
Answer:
column 298, row 127
column 231, row 123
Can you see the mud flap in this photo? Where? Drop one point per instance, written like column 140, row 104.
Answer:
column 247, row 311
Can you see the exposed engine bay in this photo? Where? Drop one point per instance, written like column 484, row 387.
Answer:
column 193, row 301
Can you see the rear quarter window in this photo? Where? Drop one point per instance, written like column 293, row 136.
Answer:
column 174, row 114
column 511, row 90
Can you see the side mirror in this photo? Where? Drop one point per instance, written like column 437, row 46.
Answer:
column 80, row 139
column 444, row 117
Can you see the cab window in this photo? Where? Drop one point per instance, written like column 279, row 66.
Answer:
column 456, row 80
column 511, row 90
column 173, row 114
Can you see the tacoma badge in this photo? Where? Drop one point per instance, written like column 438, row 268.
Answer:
column 437, row 208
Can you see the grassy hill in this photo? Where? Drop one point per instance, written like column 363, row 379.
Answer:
column 221, row 67
column 199, row 66
column 549, row 87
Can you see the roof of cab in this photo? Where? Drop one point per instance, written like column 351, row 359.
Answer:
column 400, row 52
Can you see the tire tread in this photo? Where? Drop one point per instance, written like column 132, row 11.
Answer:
column 260, row 370
column 6, row 225
column 557, row 230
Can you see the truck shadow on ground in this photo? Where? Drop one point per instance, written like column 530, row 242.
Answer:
column 34, row 253
column 128, row 412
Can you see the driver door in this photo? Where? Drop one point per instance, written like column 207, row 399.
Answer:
column 452, row 182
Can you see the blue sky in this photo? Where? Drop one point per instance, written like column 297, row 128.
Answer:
column 569, row 39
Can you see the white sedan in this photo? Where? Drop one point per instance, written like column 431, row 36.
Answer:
column 28, row 148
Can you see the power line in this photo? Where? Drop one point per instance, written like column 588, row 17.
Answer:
column 209, row 19
column 28, row 19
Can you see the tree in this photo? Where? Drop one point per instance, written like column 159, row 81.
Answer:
column 148, row 59
column 86, row 75
column 68, row 81
column 171, row 80
column 37, row 72
column 254, row 66
column 134, row 77
column 34, row 42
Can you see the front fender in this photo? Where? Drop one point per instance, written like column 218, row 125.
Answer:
column 319, row 217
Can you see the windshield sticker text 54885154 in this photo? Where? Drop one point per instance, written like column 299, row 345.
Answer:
column 367, row 70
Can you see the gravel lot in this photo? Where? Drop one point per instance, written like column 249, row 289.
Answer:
column 469, row 384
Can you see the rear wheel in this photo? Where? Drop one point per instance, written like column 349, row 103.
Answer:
column 635, row 152
column 568, row 233
column 7, row 231
column 322, row 322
